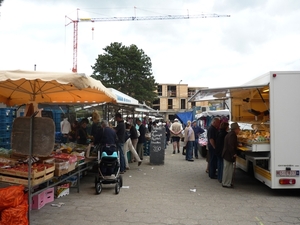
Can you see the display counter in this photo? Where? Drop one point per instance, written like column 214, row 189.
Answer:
column 255, row 140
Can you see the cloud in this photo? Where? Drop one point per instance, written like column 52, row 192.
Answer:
column 259, row 36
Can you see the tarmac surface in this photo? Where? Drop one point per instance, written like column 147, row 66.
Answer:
column 178, row 192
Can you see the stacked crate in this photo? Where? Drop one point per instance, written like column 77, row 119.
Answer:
column 7, row 116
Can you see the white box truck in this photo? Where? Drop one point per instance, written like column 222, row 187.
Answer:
column 271, row 103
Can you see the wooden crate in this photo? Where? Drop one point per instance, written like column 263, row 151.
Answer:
column 24, row 181
column 22, row 174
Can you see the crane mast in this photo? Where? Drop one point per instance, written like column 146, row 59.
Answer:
column 130, row 18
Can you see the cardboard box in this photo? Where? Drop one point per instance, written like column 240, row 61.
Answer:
column 62, row 190
column 59, row 172
column 24, row 181
column 72, row 166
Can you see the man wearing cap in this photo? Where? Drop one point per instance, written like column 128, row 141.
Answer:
column 176, row 129
column 229, row 154
column 197, row 131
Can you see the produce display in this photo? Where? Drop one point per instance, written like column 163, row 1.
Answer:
column 64, row 156
column 36, row 167
column 259, row 134
column 22, row 169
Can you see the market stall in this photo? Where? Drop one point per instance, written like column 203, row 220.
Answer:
column 34, row 139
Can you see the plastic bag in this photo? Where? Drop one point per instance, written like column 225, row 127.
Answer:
column 11, row 196
column 16, row 215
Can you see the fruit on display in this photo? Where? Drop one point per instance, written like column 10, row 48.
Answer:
column 36, row 167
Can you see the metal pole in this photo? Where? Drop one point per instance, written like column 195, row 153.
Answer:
column 179, row 105
column 29, row 163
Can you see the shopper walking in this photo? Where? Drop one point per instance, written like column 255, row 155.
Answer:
column 176, row 129
column 189, row 139
column 134, row 135
column 141, row 139
column 229, row 154
column 128, row 146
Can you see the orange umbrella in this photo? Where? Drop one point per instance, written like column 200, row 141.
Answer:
column 22, row 87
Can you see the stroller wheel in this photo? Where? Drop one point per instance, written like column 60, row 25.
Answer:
column 98, row 188
column 117, row 188
column 120, row 181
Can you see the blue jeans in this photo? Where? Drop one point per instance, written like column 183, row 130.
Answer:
column 122, row 159
column 189, row 150
column 220, row 168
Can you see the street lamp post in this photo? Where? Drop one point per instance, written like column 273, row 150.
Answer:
column 179, row 100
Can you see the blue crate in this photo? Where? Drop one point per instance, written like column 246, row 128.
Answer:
column 5, row 140
column 5, row 134
column 8, row 112
column 5, row 128
column 7, row 119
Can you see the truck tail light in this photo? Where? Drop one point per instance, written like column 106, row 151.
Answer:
column 287, row 181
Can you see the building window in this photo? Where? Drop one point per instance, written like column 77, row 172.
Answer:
column 193, row 104
column 182, row 103
column 159, row 90
column 191, row 92
column 170, row 103
column 171, row 91
column 156, row 104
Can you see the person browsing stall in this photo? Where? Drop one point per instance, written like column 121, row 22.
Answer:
column 82, row 133
column 229, row 154
column 224, row 127
column 212, row 134
column 197, row 131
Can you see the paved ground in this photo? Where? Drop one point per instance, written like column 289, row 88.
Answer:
column 178, row 192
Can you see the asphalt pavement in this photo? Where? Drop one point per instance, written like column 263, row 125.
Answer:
column 177, row 192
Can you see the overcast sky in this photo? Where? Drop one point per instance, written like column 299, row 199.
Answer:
column 259, row 36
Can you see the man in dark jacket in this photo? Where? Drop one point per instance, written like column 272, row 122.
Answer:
column 229, row 154
column 142, row 138
column 120, row 131
column 212, row 134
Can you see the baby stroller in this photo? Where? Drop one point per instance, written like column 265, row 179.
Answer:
column 108, row 168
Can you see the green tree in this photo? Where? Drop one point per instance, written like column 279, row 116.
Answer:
column 128, row 70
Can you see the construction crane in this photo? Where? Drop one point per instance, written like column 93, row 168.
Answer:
column 131, row 18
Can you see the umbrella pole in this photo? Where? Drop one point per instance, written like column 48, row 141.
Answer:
column 29, row 163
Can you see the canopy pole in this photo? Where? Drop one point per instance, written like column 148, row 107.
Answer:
column 30, row 162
